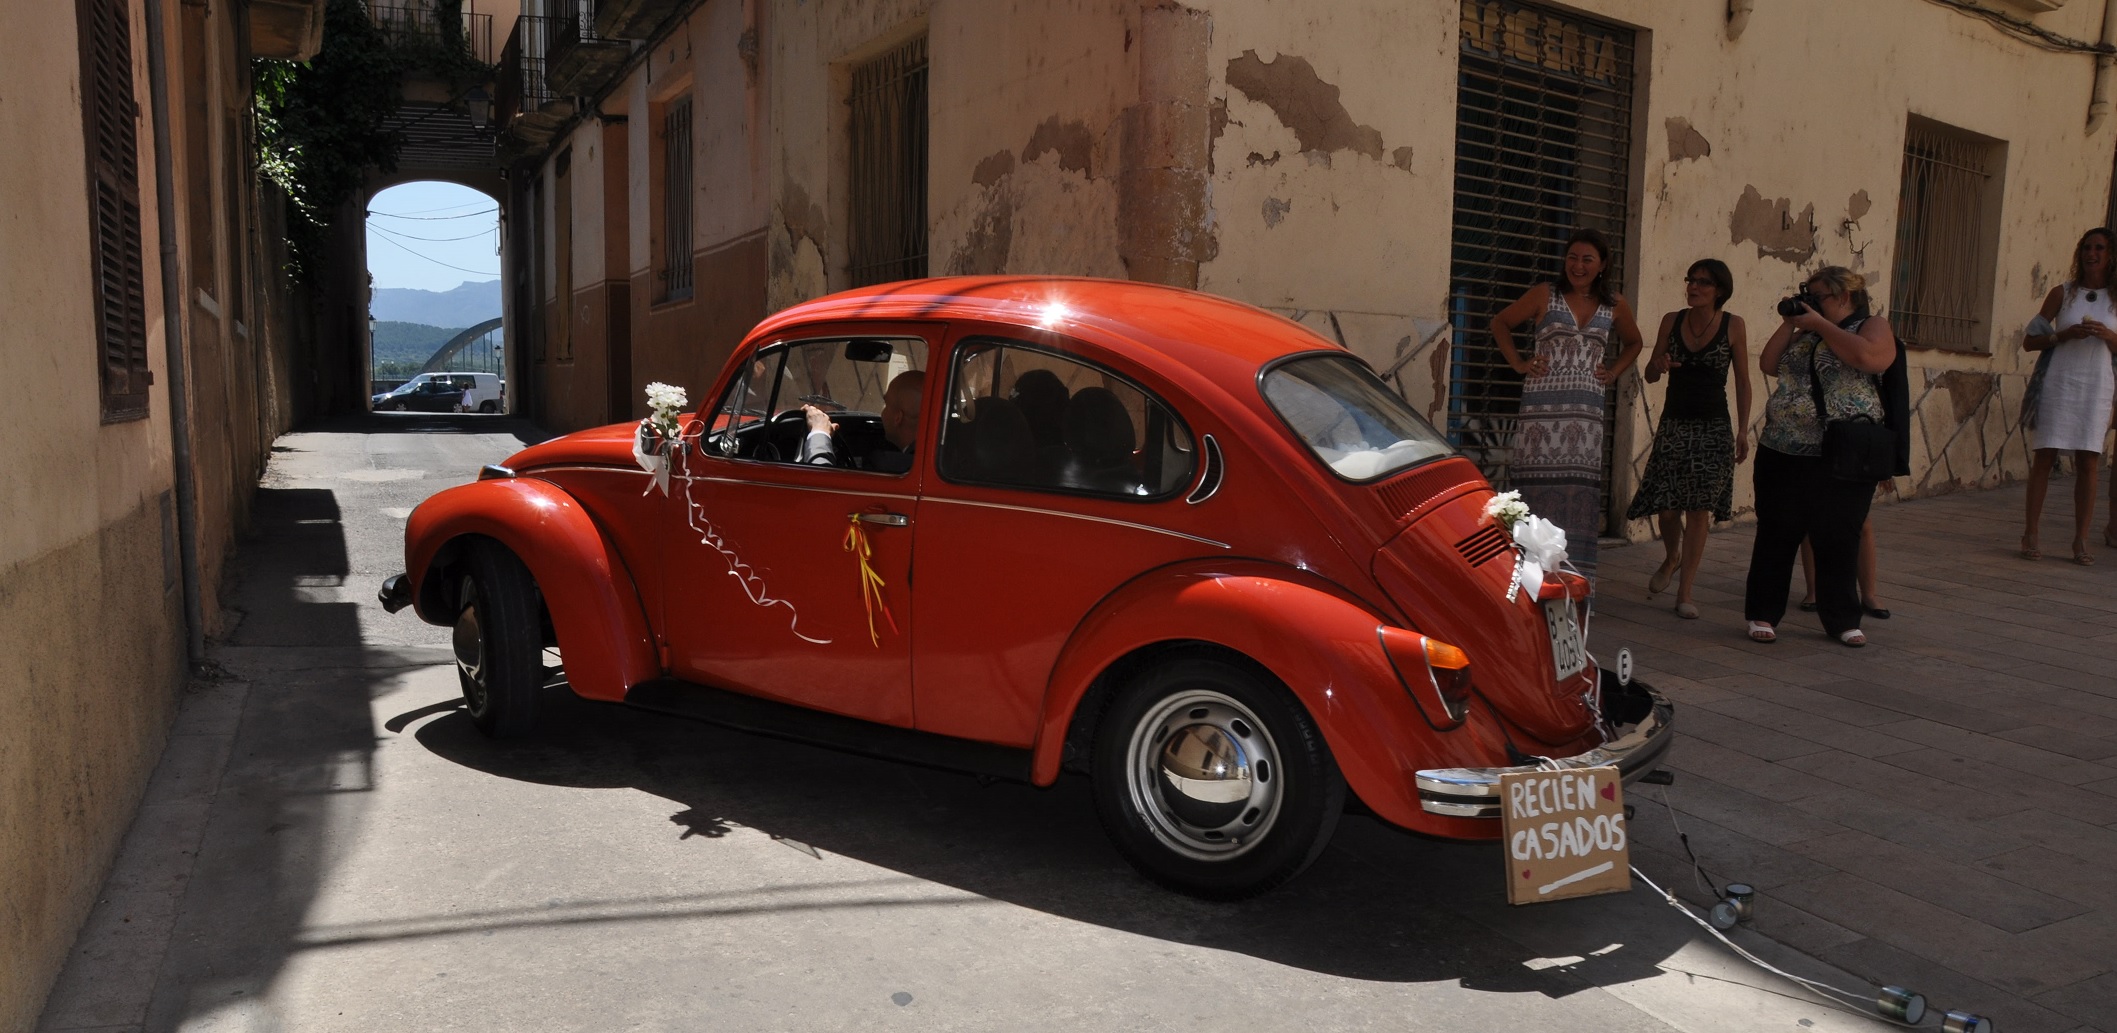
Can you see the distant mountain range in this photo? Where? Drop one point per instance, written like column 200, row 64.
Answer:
column 472, row 302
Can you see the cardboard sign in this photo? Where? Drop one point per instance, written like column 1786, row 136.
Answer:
column 1565, row 834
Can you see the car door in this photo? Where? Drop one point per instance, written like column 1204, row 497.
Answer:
column 1056, row 480
column 788, row 579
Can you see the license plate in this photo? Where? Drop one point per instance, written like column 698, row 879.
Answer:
column 1568, row 653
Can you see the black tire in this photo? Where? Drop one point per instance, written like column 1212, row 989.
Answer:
column 396, row 407
column 1247, row 736
column 488, row 406
column 499, row 643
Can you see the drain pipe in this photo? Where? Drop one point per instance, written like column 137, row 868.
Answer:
column 173, row 339
column 2099, row 102
column 1738, row 17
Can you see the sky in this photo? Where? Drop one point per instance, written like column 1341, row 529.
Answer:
column 432, row 236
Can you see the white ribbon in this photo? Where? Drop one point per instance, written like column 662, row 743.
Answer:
column 1541, row 547
column 657, row 466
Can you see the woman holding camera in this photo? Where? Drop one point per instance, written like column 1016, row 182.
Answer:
column 2075, row 336
column 1557, row 461
column 1690, row 478
column 1829, row 347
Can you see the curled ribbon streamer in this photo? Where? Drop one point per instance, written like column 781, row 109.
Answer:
column 870, row 582
column 745, row 575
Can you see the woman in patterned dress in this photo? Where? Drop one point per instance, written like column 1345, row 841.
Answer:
column 1690, row 478
column 1837, row 346
column 1557, row 461
column 2078, row 327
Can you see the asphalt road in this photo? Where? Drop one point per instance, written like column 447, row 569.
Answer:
column 329, row 845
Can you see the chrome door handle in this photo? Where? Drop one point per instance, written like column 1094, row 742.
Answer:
column 885, row 519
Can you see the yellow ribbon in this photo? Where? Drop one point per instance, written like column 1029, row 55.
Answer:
column 870, row 582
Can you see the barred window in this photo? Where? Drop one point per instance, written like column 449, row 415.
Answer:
column 674, row 169
column 110, row 125
column 886, row 155
column 1947, row 237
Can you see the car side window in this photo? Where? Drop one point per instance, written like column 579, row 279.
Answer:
column 1029, row 416
column 850, row 379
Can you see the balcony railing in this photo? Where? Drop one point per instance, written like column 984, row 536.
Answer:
column 526, row 104
column 631, row 19
column 421, row 27
column 581, row 61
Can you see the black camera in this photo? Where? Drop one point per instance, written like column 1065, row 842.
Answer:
column 1791, row 307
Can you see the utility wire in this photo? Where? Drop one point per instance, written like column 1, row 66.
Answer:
column 2027, row 31
column 435, row 218
column 435, row 240
column 443, row 208
column 436, row 261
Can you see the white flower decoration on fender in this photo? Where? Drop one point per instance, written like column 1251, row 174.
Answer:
column 651, row 445
column 1542, row 546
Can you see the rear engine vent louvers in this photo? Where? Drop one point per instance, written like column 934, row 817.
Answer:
column 1483, row 544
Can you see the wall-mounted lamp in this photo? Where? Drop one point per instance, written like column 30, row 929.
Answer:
column 478, row 104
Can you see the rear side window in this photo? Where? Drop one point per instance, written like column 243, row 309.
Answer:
column 1028, row 416
column 1350, row 419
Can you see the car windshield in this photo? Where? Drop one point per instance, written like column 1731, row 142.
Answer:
column 1349, row 419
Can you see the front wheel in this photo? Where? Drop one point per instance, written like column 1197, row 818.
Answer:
column 1212, row 779
column 499, row 643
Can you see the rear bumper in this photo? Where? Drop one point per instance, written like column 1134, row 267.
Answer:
column 1642, row 723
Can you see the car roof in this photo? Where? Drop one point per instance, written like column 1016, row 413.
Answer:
column 1192, row 329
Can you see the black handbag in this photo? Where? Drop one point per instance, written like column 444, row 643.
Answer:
column 1857, row 449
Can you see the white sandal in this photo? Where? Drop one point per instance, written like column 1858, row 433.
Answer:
column 1762, row 632
column 1854, row 638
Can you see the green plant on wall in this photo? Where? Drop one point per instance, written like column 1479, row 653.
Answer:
column 324, row 124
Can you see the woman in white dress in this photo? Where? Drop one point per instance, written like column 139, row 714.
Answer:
column 2078, row 327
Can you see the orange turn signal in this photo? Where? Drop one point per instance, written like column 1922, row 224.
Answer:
column 1441, row 654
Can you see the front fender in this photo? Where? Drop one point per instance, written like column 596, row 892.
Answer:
column 1317, row 639
column 603, row 634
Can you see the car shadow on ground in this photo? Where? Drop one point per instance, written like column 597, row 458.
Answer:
column 1379, row 905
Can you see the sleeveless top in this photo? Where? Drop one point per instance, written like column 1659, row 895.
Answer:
column 1790, row 423
column 1698, row 386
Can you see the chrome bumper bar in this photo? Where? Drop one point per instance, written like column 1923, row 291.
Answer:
column 1647, row 721
column 396, row 593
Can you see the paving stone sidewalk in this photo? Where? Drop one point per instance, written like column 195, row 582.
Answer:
column 1937, row 810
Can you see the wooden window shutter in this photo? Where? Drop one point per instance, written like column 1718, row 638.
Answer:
column 110, row 122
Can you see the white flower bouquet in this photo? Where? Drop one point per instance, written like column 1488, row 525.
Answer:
column 660, row 431
column 1539, row 543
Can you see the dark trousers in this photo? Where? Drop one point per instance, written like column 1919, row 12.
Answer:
column 1798, row 498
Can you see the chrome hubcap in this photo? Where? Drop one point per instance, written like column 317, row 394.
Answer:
column 1204, row 774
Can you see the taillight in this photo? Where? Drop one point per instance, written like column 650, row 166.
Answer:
column 1434, row 673
column 1449, row 668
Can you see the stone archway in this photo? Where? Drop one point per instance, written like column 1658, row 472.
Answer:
column 489, row 182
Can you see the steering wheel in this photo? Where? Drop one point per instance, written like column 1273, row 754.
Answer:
column 791, row 425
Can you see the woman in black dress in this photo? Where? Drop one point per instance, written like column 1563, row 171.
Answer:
column 1690, row 478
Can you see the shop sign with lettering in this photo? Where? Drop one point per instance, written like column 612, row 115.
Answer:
column 1548, row 41
column 1564, row 833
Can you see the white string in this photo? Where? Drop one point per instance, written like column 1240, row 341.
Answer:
column 1821, row 990
column 753, row 584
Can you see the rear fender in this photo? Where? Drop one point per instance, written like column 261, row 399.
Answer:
column 595, row 610
column 1313, row 636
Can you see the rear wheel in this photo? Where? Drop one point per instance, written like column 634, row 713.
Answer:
column 488, row 406
column 499, row 643
column 1212, row 779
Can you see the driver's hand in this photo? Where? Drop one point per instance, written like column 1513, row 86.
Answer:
column 818, row 420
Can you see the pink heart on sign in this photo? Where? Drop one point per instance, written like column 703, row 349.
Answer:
column 1525, row 873
column 1609, row 792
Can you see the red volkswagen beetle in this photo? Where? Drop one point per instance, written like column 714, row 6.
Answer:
column 1018, row 526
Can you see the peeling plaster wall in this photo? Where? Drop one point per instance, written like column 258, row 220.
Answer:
column 1775, row 166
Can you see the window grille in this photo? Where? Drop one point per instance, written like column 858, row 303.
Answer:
column 1543, row 147
column 110, row 117
column 676, row 199
column 887, row 160
column 1941, row 294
